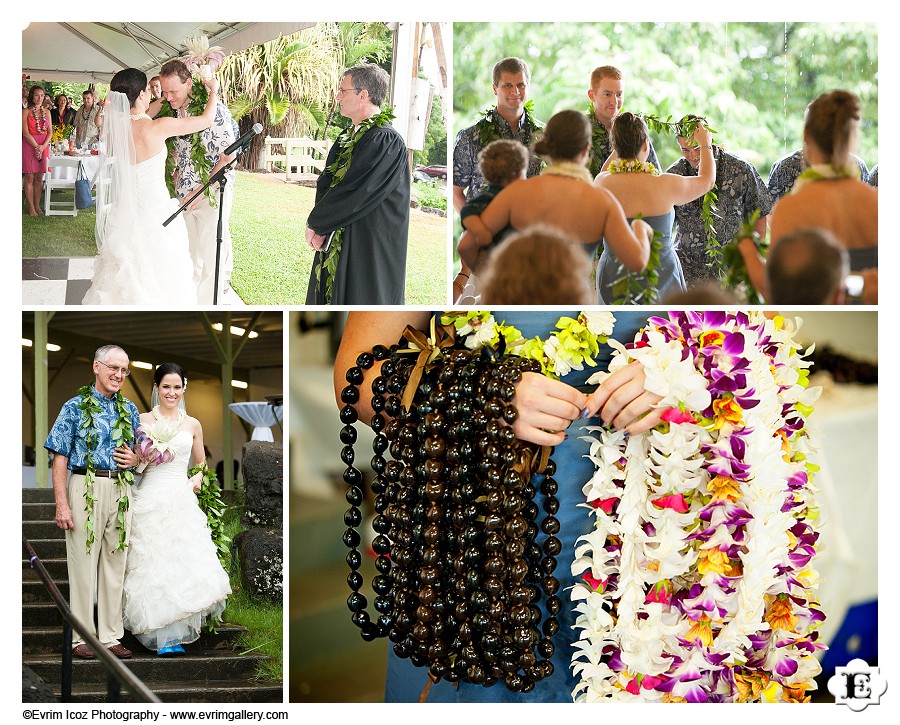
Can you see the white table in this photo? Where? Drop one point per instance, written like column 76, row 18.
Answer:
column 65, row 168
column 260, row 414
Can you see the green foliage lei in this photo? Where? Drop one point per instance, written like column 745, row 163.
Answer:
column 599, row 137
column 577, row 342
column 640, row 288
column 338, row 170
column 488, row 130
column 122, row 432
column 735, row 269
column 196, row 107
column 685, row 128
column 209, row 497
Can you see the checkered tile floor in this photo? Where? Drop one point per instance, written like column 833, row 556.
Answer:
column 58, row 281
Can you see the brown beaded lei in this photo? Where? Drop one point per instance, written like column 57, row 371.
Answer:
column 460, row 575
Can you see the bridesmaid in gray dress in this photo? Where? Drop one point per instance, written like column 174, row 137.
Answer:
column 641, row 189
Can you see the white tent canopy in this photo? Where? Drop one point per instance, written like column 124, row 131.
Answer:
column 94, row 52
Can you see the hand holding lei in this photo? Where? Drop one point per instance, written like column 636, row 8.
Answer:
column 736, row 275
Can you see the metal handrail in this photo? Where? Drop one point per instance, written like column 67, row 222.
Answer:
column 118, row 673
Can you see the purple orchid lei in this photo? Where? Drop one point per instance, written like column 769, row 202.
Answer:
column 696, row 581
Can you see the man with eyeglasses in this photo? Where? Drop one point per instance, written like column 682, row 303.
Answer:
column 607, row 94
column 360, row 222
column 90, row 433
column 740, row 192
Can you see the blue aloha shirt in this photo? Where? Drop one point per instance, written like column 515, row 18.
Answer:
column 873, row 176
column 740, row 191
column 216, row 138
column 602, row 148
column 468, row 145
column 67, row 437
column 786, row 170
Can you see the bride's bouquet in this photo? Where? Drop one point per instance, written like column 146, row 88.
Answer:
column 153, row 442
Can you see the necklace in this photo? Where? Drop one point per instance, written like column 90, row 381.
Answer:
column 121, row 433
column 175, row 420
column 599, row 141
column 338, row 170
column 569, row 168
column 40, row 121
column 820, row 172
column 138, row 116
column 198, row 157
column 632, row 166
column 488, row 126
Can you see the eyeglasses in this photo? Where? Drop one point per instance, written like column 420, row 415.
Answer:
column 342, row 91
column 125, row 372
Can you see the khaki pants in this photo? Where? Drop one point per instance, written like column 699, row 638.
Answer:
column 202, row 227
column 98, row 576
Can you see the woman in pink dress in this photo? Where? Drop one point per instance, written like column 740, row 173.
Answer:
column 37, row 129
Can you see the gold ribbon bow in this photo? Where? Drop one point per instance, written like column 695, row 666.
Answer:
column 429, row 348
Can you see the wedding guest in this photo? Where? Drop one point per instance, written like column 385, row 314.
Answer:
column 508, row 275
column 37, row 129
column 87, row 128
column 563, row 196
column 607, row 94
column 510, row 118
column 740, row 192
column 155, row 88
column 806, row 267
column 873, row 177
column 62, row 114
column 785, row 171
column 94, row 503
column 643, row 191
column 501, row 162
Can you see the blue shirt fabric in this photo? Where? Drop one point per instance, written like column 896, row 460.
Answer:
column 740, row 191
column 216, row 138
column 67, row 437
column 785, row 171
column 468, row 144
column 573, row 470
column 602, row 147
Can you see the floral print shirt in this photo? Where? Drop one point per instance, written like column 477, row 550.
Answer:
column 786, row 170
column 67, row 437
column 216, row 139
column 739, row 190
column 468, row 144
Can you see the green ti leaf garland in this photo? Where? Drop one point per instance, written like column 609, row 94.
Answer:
column 685, row 128
column 338, row 170
column 640, row 288
column 489, row 130
column 121, row 433
column 196, row 107
column 735, row 269
column 209, row 498
column 599, row 137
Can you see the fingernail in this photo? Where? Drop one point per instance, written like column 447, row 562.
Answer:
column 586, row 413
column 626, row 434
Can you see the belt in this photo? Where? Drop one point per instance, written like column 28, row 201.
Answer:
column 97, row 472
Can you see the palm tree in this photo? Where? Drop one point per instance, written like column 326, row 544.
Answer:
column 287, row 85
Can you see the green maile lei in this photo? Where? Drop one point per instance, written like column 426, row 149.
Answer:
column 599, row 137
column 575, row 344
column 209, row 497
column 488, row 130
column 338, row 170
column 196, row 107
column 685, row 128
column 735, row 269
column 122, row 432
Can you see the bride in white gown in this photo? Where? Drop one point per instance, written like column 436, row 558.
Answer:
column 140, row 261
column 173, row 579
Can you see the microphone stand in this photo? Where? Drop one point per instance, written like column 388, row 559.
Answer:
column 219, row 176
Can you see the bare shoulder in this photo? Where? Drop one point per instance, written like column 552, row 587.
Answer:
column 193, row 424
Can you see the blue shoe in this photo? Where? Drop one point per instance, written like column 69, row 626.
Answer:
column 175, row 649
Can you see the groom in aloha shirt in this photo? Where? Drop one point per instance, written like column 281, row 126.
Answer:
column 201, row 217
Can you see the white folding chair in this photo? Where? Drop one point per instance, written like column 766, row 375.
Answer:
column 64, row 181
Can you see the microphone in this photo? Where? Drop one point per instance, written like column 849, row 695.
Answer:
column 243, row 140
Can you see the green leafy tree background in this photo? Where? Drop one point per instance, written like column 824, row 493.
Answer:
column 751, row 80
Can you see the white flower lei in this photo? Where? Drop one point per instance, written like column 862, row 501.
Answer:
column 697, row 582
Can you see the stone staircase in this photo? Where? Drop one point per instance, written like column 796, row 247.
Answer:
column 212, row 671
column 329, row 661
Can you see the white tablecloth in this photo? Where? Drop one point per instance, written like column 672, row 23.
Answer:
column 260, row 414
column 66, row 167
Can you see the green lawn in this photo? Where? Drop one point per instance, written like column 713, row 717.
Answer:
column 272, row 261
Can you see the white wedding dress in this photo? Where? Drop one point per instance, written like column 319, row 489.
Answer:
column 173, row 578
column 141, row 262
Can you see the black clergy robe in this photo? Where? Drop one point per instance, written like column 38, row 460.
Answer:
column 372, row 206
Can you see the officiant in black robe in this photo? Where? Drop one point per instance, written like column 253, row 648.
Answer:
column 370, row 203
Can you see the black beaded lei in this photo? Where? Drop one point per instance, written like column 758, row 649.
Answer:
column 460, row 575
